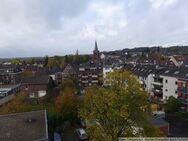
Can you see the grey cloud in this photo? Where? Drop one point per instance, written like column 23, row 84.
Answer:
column 40, row 27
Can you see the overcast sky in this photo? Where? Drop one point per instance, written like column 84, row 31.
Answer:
column 59, row 27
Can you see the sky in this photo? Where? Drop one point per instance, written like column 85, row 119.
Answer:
column 30, row 28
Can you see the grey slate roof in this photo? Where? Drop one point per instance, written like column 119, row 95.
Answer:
column 28, row 126
column 36, row 80
column 144, row 70
column 180, row 73
column 91, row 64
column 9, row 69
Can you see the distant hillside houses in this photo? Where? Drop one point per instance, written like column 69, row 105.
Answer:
column 163, row 72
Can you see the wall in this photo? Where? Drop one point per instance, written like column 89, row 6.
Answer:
column 170, row 87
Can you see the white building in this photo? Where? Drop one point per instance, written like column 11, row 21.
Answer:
column 170, row 84
column 106, row 70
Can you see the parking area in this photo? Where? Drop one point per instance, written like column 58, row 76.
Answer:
column 70, row 135
column 178, row 126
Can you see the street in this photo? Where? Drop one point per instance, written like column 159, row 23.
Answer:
column 178, row 126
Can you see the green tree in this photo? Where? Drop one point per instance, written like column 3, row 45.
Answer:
column 32, row 61
column 45, row 61
column 172, row 105
column 19, row 104
column 63, row 63
column 16, row 61
column 49, row 97
column 52, row 63
column 121, row 110
column 69, row 83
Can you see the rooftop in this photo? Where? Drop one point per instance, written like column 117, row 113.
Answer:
column 26, row 126
column 44, row 79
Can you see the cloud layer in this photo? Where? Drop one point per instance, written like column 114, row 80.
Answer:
column 59, row 27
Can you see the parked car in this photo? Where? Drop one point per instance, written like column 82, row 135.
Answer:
column 57, row 137
column 159, row 114
column 81, row 134
column 83, row 123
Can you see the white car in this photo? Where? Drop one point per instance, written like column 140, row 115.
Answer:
column 82, row 134
column 159, row 114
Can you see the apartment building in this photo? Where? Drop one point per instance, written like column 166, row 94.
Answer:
column 10, row 74
column 160, row 82
column 170, row 83
column 90, row 74
column 70, row 72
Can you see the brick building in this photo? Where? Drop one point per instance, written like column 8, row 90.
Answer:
column 35, row 86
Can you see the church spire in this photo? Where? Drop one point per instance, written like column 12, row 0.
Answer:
column 96, row 46
column 77, row 52
column 96, row 53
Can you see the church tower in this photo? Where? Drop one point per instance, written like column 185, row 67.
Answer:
column 96, row 53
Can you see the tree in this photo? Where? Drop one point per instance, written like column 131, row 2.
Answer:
column 62, row 62
column 49, row 97
column 52, row 63
column 31, row 61
column 172, row 105
column 45, row 61
column 16, row 61
column 121, row 110
column 66, row 106
column 70, row 84
column 19, row 104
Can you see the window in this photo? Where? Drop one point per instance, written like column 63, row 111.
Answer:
column 176, row 72
column 167, row 71
column 166, row 90
column 31, row 95
column 184, row 85
column 26, row 87
column 166, row 81
column 176, row 92
column 176, row 82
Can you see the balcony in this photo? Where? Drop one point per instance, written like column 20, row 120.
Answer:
column 84, row 81
column 84, row 76
column 182, row 90
column 94, row 81
column 157, row 83
column 157, row 91
column 94, row 76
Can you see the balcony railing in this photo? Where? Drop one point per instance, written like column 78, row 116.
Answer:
column 183, row 90
column 157, row 91
column 84, row 76
column 94, row 76
column 157, row 83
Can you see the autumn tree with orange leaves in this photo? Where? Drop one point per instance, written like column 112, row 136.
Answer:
column 66, row 105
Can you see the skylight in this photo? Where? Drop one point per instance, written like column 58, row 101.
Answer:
column 167, row 71
column 176, row 72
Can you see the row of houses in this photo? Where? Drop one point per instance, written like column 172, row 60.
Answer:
column 162, row 82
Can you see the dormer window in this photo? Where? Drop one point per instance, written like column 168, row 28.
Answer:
column 167, row 71
column 176, row 72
